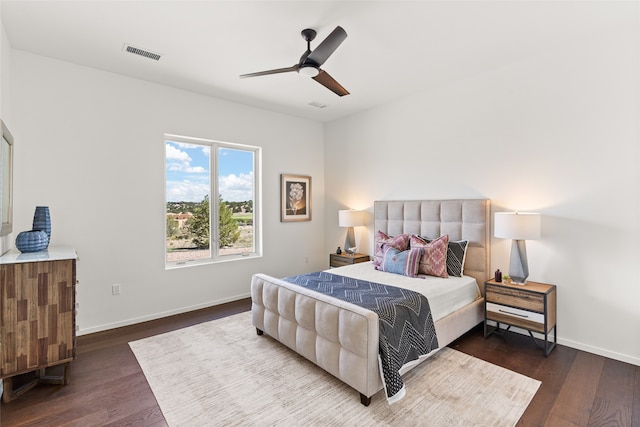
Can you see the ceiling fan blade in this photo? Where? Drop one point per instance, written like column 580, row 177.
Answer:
column 329, row 82
column 275, row 71
column 324, row 50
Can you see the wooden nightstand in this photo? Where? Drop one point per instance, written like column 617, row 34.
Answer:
column 338, row 260
column 531, row 306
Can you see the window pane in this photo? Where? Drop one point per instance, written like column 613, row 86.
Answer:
column 188, row 192
column 236, row 196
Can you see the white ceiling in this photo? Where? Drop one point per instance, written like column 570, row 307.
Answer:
column 393, row 48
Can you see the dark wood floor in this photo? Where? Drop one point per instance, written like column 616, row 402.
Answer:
column 108, row 388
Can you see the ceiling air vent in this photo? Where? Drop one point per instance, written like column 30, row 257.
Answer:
column 317, row 104
column 142, row 52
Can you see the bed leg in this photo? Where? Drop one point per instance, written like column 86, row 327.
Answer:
column 365, row 400
column 259, row 332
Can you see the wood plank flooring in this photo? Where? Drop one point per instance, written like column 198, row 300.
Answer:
column 108, row 388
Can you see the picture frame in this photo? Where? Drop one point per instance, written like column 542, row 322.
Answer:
column 295, row 198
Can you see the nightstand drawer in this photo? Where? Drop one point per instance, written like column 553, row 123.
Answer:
column 339, row 260
column 515, row 316
column 515, row 297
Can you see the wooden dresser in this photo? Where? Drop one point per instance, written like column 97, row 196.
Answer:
column 37, row 316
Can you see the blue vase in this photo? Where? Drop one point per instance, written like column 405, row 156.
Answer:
column 42, row 221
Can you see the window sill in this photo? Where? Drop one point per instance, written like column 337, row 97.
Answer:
column 209, row 261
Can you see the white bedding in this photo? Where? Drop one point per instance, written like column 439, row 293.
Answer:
column 445, row 295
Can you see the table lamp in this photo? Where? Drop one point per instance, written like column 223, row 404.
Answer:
column 518, row 226
column 350, row 218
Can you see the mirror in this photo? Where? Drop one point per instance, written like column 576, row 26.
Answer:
column 6, row 181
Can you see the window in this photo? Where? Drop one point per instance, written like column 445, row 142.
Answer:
column 211, row 190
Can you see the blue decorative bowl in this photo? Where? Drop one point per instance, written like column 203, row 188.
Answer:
column 32, row 241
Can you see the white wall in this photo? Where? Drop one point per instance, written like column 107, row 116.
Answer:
column 89, row 144
column 557, row 134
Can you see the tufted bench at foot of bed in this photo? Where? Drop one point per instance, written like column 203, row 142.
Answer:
column 339, row 337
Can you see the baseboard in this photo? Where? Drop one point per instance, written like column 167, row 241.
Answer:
column 600, row 351
column 569, row 343
column 584, row 347
column 154, row 316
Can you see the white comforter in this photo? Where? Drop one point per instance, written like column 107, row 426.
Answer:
column 445, row 295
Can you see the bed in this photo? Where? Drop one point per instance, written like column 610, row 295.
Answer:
column 343, row 338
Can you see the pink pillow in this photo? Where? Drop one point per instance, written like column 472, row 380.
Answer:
column 434, row 259
column 400, row 242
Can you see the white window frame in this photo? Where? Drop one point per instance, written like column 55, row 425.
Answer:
column 213, row 199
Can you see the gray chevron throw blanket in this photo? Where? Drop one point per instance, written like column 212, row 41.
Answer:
column 406, row 325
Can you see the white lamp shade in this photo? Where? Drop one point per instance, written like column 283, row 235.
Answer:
column 517, row 225
column 350, row 218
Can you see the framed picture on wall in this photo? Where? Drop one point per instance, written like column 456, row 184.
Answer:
column 295, row 198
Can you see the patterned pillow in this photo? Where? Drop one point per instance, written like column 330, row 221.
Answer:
column 401, row 262
column 434, row 259
column 400, row 242
column 456, row 255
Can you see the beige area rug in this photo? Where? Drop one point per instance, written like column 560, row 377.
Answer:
column 220, row 373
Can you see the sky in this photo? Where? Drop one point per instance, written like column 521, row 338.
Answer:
column 188, row 173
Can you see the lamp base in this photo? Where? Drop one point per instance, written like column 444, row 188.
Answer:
column 349, row 241
column 518, row 265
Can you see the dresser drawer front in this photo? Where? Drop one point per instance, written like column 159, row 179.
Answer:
column 515, row 297
column 516, row 317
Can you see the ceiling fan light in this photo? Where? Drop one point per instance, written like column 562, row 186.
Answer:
column 308, row 71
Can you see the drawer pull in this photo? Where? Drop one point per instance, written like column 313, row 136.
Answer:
column 512, row 314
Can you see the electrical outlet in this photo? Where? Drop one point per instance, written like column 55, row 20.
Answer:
column 115, row 289
column 306, row 260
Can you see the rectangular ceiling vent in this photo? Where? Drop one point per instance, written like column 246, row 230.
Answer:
column 317, row 104
column 142, row 52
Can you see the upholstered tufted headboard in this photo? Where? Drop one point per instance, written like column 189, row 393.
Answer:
column 461, row 219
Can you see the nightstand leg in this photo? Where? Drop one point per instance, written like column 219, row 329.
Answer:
column 548, row 346
column 488, row 329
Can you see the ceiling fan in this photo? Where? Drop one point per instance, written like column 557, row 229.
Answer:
column 310, row 61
